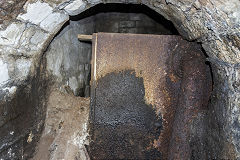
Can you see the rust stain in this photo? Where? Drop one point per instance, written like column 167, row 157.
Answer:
column 173, row 78
column 194, row 90
column 172, row 70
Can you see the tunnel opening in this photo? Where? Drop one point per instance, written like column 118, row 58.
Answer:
column 72, row 68
column 68, row 66
column 69, row 60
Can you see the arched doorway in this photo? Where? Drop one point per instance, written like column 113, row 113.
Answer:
column 26, row 34
column 68, row 60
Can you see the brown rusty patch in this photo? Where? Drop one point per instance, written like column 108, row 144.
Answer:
column 172, row 73
column 173, row 78
column 192, row 100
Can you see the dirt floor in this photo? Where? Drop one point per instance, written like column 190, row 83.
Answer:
column 65, row 132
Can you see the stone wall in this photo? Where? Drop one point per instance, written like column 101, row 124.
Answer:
column 68, row 59
column 23, row 110
column 26, row 32
column 139, row 23
column 9, row 10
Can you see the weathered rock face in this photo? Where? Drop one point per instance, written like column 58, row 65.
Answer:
column 68, row 59
column 224, row 123
column 23, row 109
column 26, row 32
column 9, row 10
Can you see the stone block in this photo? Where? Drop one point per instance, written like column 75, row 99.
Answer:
column 128, row 30
column 3, row 72
column 42, row 14
column 75, row 7
column 127, row 24
column 94, row 1
column 53, row 22
column 12, row 34
column 36, row 12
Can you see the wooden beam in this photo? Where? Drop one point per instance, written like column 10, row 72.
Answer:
column 82, row 37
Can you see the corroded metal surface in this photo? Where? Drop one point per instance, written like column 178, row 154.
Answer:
column 195, row 93
column 138, row 84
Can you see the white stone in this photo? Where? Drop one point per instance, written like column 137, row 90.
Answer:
column 3, row 72
column 25, row 38
column 23, row 67
column 53, row 22
column 75, row 7
column 11, row 90
column 79, row 138
column 38, row 39
column 36, row 12
column 12, row 34
column 73, row 83
column 94, row 1
column 42, row 14
column 32, row 39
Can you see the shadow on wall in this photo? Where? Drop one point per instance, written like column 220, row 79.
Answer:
column 127, row 18
column 22, row 116
column 68, row 59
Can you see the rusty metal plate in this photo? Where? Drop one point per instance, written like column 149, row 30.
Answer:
column 136, row 87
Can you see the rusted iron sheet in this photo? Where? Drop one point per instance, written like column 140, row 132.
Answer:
column 195, row 93
column 137, row 83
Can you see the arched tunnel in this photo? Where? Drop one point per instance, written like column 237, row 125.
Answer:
column 152, row 80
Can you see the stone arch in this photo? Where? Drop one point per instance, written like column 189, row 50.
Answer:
column 215, row 24
column 191, row 20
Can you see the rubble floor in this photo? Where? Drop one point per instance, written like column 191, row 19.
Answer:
column 65, row 132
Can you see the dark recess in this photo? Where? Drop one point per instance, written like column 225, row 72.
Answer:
column 126, row 8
